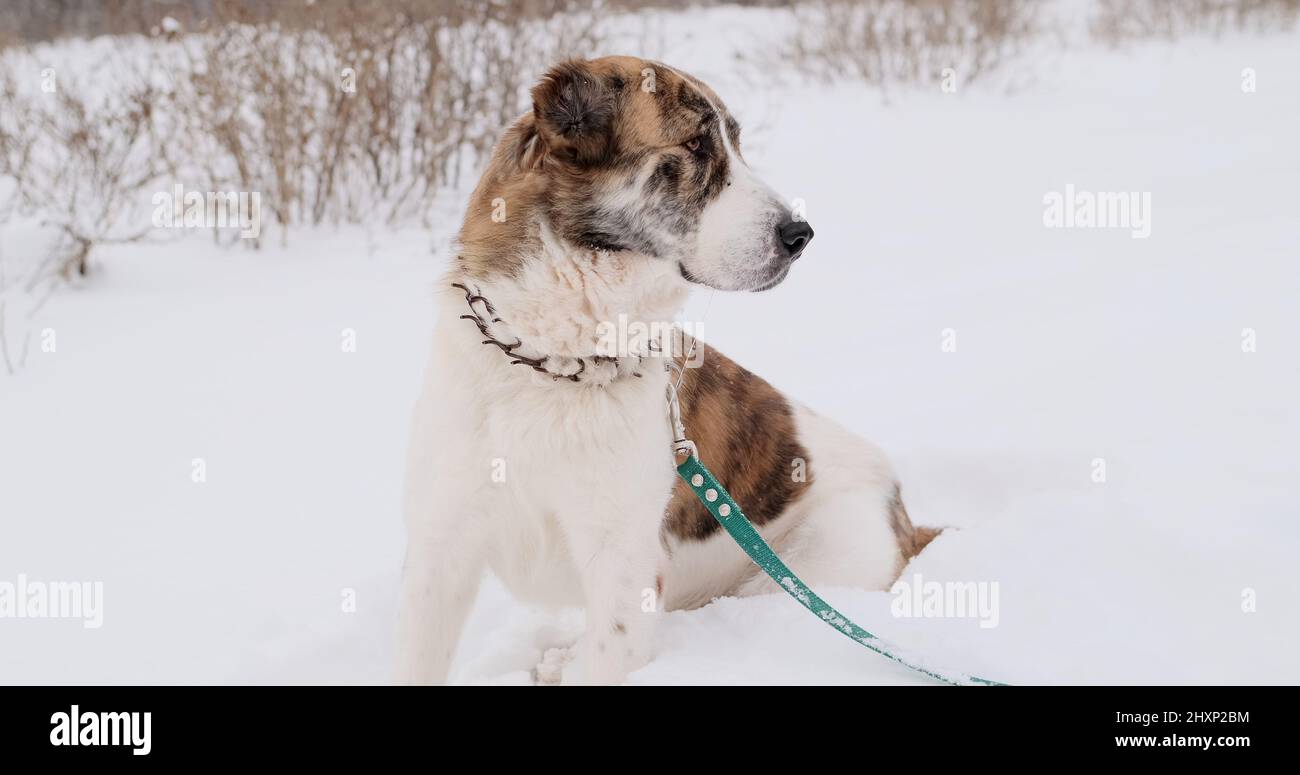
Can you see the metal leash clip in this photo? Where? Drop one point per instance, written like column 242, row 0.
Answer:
column 681, row 444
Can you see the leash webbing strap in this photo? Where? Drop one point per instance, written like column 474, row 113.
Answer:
column 728, row 514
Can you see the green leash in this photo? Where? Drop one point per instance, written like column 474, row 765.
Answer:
column 725, row 509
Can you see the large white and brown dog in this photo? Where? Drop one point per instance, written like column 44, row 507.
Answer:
column 541, row 447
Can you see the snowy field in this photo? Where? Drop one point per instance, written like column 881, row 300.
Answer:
column 1071, row 345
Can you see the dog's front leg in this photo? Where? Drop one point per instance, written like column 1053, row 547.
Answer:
column 440, row 579
column 445, row 550
column 618, row 557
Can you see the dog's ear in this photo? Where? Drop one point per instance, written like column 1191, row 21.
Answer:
column 522, row 146
column 573, row 111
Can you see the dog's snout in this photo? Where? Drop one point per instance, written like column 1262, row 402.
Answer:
column 794, row 236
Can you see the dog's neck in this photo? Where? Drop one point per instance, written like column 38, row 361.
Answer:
column 576, row 314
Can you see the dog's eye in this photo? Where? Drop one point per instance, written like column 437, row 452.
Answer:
column 692, row 145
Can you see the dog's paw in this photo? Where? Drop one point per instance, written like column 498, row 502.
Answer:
column 550, row 671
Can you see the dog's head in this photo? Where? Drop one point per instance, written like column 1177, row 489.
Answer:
column 631, row 155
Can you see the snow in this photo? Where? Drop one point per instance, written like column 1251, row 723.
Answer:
column 1072, row 345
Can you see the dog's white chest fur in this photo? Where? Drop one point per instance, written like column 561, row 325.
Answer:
column 562, row 459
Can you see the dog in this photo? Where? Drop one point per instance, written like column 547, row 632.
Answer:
column 545, row 454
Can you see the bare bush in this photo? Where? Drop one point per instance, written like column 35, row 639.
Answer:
column 340, row 119
column 335, row 115
column 1117, row 21
column 884, row 42
column 81, row 166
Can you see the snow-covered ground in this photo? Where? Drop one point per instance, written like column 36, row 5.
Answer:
column 1071, row 345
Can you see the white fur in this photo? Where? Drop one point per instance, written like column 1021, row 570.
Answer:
column 588, row 473
column 736, row 246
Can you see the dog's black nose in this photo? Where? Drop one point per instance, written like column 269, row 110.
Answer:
column 794, row 236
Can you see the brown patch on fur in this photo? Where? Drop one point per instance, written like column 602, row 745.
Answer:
column 745, row 431
column 911, row 540
column 924, row 535
column 574, row 109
